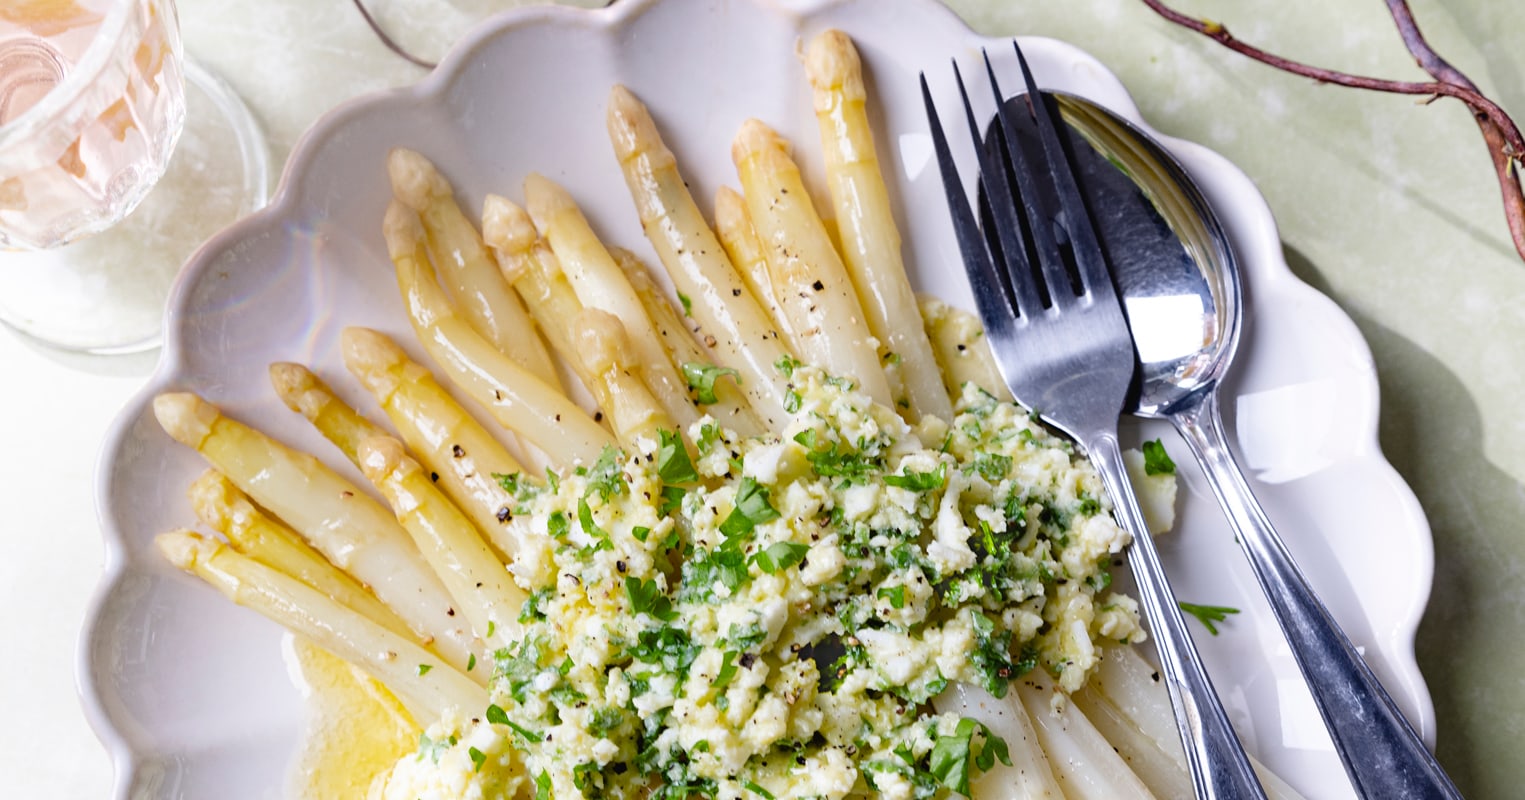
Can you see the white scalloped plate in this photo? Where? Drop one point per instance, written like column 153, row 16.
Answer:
column 190, row 693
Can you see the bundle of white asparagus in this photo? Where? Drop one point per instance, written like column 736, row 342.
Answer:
column 506, row 313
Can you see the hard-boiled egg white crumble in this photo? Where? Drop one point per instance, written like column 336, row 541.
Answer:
column 772, row 617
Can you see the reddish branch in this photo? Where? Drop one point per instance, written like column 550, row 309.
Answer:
column 1506, row 146
column 391, row 44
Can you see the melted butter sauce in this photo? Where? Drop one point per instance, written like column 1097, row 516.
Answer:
column 355, row 729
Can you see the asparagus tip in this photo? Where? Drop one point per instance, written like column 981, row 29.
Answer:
column 185, row 416
column 415, row 180
column 185, row 549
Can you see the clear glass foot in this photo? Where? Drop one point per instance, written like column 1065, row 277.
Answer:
column 105, row 294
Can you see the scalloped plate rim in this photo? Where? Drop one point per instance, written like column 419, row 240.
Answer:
column 127, row 760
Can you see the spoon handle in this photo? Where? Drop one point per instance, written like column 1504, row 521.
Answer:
column 1219, row 768
column 1383, row 755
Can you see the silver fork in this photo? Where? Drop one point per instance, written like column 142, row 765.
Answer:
column 1064, row 348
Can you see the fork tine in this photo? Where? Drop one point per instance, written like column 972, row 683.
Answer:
column 1094, row 274
column 984, row 280
column 1040, row 222
column 1008, row 240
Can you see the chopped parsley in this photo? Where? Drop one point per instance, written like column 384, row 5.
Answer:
column 780, row 556
column 533, row 609
column 752, row 508
column 1156, row 460
column 1207, row 615
column 673, row 463
column 954, row 758
column 894, row 594
column 701, row 379
column 647, row 598
column 919, row 481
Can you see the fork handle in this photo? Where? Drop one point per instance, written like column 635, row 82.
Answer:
column 1383, row 755
column 1219, row 768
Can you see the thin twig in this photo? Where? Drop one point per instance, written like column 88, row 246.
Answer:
column 1499, row 131
column 388, row 40
column 1506, row 146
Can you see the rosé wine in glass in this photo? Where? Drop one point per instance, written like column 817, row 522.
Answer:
column 91, row 104
column 98, row 106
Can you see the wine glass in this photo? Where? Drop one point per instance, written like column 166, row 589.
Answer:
column 95, row 215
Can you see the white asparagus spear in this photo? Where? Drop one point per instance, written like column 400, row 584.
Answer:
column 604, row 352
column 745, row 340
column 1134, row 687
column 1084, row 763
column 489, row 304
column 739, row 237
column 1029, row 776
column 527, row 262
column 807, row 274
column 223, row 508
column 730, row 408
column 307, row 394
column 600, row 283
column 865, row 224
column 958, row 340
column 475, row 578
column 438, row 432
column 1155, row 767
column 426, row 687
column 517, row 399
column 354, row 532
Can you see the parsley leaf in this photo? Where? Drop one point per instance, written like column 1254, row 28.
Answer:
column 672, row 500
column 606, row 476
column 786, row 364
column 478, row 758
column 752, row 509
column 701, row 378
column 1156, row 460
column 532, row 609
column 780, row 556
column 603, row 720
column 919, row 481
column 894, row 594
column 599, row 535
column 673, row 463
column 728, row 670
column 725, row 565
column 667, row 646
column 746, row 637
column 1207, row 614
column 647, row 598
column 992, row 466
column 952, row 756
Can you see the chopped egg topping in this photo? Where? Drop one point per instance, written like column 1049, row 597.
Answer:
column 773, row 617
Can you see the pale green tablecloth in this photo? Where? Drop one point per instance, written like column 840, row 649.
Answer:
column 1386, row 205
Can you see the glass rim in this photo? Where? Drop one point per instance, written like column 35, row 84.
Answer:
column 91, row 65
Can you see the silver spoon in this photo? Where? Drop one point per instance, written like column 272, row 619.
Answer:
column 1168, row 251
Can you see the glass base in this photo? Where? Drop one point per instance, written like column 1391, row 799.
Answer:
column 105, row 294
